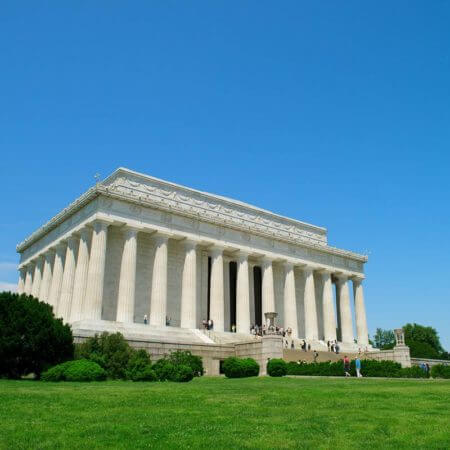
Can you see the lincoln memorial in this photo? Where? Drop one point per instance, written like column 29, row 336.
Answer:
column 135, row 249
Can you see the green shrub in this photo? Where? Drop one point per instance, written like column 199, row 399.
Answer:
column 31, row 338
column 77, row 370
column 251, row 367
column 137, row 363
column 440, row 371
column 84, row 370
column 55, row 373
column 369, row 368
column 372, row 368
column 413, row 372
column 188, row 359
column 144, row 374
column 110, row 351
column 139, row 367
column 277, row 368
column 164, row 369
column 181, row 373
column 239, row 368
column 233, row 368
column 328, row 369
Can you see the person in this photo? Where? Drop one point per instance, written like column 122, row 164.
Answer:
column 210, row 324
column 316, row 354
column 264, row 328
column 168, row 320
column 329, row 345
column 309, row 347
column 337, row 348
column 145, row 319
column 292, row 343
column 358, row 367
column 304, row 345
column 346, row 366
column 233, row 328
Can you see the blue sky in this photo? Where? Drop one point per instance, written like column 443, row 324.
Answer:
column 334, row 113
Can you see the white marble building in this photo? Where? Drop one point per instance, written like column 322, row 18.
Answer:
column 134, row 245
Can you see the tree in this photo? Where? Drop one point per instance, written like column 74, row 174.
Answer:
column 31, row 338
column 384, row 339
column 110, row 351
column 423, row 341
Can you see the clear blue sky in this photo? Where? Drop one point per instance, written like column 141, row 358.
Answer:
column 335, row 113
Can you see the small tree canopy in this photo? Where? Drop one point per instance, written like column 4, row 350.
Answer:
column 31, row 338
column 384, row 339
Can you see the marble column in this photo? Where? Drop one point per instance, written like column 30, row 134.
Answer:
column 329, row 318
column 242, row 295
column 290, row 302
column 217, row 307
column 29, row 278
column 127, row 282
column 65, row 299
column 81, row 276
column 44, row 291
column 345, row 312
column 189, row 285
column 57, row 276
column 360, row 313
column 311, row 325
column 96, row 272
column 268, row 292
column 37, row 278
column 21, row 282
column 158, row 301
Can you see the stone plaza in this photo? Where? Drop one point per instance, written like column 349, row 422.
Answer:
column 134, row 248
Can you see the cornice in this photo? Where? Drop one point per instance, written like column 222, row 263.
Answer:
column 148, row 191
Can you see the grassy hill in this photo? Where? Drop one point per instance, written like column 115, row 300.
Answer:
column 221, row 413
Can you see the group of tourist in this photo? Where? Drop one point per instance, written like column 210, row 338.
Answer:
column 347, row 366
column 425, row 367
column 333, row 346
column 208, row 324
column 261, row 330
column 168, row 320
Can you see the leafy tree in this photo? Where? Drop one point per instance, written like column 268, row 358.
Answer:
column 384, row 339
column 31, row 338
column 110, row 351
column 415, row 334
column 186, row 358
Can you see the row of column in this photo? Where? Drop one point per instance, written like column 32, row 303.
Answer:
column 75, row 272
column 75, row 287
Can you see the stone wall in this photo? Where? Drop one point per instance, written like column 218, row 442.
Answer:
column 398, row 354
column 430, row 362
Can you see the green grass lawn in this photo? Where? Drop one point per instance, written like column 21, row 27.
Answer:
column 221, row 413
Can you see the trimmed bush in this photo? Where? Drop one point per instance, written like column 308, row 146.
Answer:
column 182, row 374
column 144, row 374
column 55, row 373
column 440, row 371
column 251, row 367
column 413, row 372
column 164, row 369
column 277, row 368
column 369, row 368
column 84, row 370
column 328, row 369
column 78, row 370
column 240, row 368
column 31, row 338
column 186, row 358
